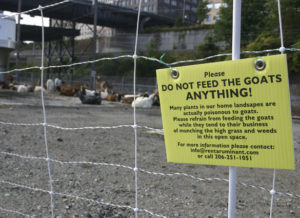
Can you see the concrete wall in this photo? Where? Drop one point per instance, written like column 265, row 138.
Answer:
column 165, row 41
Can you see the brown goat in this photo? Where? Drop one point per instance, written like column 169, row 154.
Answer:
column 104, row 85
column 68, row 91
column 112, row 97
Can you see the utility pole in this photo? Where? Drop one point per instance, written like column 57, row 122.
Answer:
column 183, row 12
column 236, row 47
column 93, row 73
column 18, row 38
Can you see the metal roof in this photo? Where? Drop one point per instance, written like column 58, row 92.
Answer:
column 34, row 33
column 82, row 11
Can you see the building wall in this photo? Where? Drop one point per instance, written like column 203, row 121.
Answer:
column 165, row 41
column 213, row 14
column 175, row 8
column 87, row 33
column 171, row 8
column 179, row 8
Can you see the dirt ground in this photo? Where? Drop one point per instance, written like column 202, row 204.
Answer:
column 171, row 196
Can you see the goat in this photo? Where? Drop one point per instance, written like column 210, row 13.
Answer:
column 57, row 84
column 103, row 94
column 8, row 83
column 128, row 99
column 112, row 97
column 38, row 89
column 50, row 85
column 22, row 89
column 104, row 85
column 143, row 102
column 156, row 101
column 68, row 91
column 89, row 99
column 87, row 92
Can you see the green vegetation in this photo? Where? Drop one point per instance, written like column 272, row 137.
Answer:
column 176, row 28
column 202, row 10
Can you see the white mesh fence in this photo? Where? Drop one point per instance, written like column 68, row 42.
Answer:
column 136, row 169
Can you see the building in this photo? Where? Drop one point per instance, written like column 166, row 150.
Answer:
column 172, row 8
column 213, row 14
column 185, row 9
column 86, row 31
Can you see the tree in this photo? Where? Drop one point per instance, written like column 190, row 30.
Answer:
column 202, row 10
column 208, row 48
column 290, row 20
column 178, row 21
column 254, row 16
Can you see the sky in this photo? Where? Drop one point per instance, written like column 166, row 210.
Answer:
column 26, row 19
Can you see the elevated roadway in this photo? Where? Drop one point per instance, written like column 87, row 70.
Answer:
column 82, row 11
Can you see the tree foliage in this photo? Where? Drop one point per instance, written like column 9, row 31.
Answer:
column 202, row 10
column 253, row 21
column 208, row 48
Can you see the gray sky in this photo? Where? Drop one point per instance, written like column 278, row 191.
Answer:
column 30, row 20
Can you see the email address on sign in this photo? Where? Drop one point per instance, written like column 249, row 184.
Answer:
column 214, row 151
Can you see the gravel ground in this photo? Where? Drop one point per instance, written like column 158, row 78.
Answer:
column 171, row 196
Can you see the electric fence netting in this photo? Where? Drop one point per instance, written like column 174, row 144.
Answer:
column 55, row 186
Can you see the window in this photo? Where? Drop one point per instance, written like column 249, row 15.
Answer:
column 180, row 4
column 208, row 18
column 217, row 17
column 145, row 8
column 167, row 1
column 174, row 2
column 187, row 7
column 218, row 5
column 194, row 9
column 195, row 1
column 209, row 6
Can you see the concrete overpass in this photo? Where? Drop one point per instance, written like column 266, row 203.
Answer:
column 82, row 11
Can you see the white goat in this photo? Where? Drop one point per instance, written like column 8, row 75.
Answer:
column 50, row 85
column 38, row 89
column 143, row 102
column 57, row 83
column 104, row 95
column 22, row 89
column 90, row 92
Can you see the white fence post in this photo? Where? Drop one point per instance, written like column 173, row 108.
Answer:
column 236, row 41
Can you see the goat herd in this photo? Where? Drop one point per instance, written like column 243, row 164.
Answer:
column 86, row 96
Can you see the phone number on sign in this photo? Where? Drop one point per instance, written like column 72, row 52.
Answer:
column 230, row 157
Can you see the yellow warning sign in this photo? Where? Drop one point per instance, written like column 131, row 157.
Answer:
column 232, row 113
